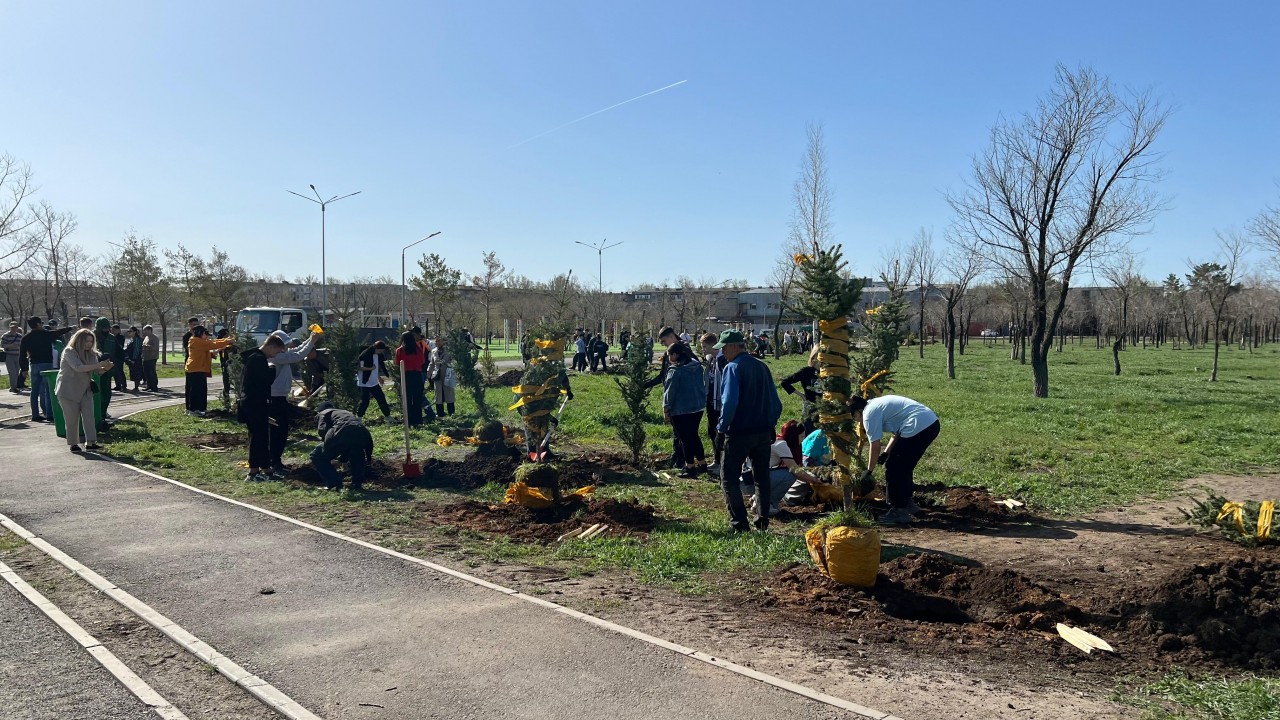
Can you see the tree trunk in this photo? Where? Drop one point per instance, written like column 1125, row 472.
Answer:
column 1039, row 371
column 1216, row 344
column 1115, row 355
column 950, row 340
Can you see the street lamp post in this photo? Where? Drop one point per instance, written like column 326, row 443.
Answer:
column 324, row 276
column 600, row 269
column 402, row 284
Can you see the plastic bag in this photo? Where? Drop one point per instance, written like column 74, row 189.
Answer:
column 850, row 556
column 532, row 498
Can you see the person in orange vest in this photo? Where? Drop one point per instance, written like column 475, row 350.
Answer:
column 199, row 367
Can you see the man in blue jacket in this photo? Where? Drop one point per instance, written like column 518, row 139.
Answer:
column 749, row 411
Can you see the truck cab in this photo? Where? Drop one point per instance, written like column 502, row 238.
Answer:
column 259, row 322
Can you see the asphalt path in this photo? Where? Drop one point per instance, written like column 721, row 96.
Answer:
column 45, row 675
column 346, row 631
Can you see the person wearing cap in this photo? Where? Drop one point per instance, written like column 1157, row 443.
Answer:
column 749, row 412
column 11, row 345
column 199, row 367
column 37, row 349
column 278, row 407
column 914, row 428
column 150, row 356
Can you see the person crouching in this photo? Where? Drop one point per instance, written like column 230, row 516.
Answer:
column 255, row 402
column 344, row 438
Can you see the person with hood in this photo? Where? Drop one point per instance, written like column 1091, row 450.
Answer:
column 684, row 399
column 440, row 373
column 371, row 368
column 254, row 409
column 150, row 356
column 199, row 367
column 75, row 388
column 278, row 408
column 411, row 357
column 343, row 437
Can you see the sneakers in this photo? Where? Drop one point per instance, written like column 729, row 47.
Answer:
column 279, row 472
column 896, row 516
column 913, row 508
column 93, row 447
column 75, row 448
column 38, row 418
column 256, row 477
column 714, row 469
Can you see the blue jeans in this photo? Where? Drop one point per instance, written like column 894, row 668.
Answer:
column 41, row 393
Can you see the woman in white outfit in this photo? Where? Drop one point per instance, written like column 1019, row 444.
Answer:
column 74, row 388
column 437, row 373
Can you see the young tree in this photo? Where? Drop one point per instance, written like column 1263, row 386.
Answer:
column 811, row 227
column 1125, row 279
column 52, row 228
column 1215, row 283
column 221, row 284
column 635, row 399
column 142, row 281
column 561, row 293
column 1060, row 185
column 438, row 284
column 960, row 266
column 489, row 283
column 922, row 261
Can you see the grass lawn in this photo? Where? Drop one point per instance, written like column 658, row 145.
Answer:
column 1099, row 440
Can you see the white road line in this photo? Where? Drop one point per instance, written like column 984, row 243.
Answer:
column 251, row 683
column 118, row 670
column 856, row 709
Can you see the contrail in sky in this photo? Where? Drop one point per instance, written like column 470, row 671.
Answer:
column 591, row 115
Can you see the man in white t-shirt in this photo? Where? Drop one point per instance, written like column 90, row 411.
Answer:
column 914, row 427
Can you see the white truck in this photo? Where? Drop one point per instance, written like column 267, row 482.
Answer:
column 259, row 322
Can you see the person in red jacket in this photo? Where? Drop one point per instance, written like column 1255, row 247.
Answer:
column 411, row 356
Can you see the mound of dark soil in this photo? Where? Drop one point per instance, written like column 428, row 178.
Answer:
column 476, row 470
column 1227, row 610
column 510, row 378
column 218, row 440
column 544, row 526
column 962, row 506
column 928, row 588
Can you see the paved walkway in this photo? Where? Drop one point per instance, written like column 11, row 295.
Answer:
column 347, row 625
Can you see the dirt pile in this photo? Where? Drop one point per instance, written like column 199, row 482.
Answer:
column 1228, row 610
column 964, row 507
column 544, row 526
column 476, row 470
column 928, row 588
column 379, row 474
column 510, row 378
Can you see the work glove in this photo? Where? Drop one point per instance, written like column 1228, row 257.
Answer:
column 570, row 396
column 884, row 458
column 866, row 483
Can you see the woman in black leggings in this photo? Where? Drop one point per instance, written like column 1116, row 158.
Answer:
column 683, row 401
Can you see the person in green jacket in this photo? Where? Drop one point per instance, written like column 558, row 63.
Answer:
column 106, row 351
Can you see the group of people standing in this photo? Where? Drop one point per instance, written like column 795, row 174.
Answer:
column 737, row 394
column 589, row 348
column 424, row 362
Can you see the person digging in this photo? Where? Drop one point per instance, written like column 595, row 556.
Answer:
column 344, row 438
column 914, row 427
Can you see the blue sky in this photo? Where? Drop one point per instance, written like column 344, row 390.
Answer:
column 189, row 121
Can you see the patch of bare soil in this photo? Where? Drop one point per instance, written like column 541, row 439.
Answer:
column 545, row 526
column 942, row 507
column 509, row 378
column 474, row 471
column 379, row 474
column 218, row 440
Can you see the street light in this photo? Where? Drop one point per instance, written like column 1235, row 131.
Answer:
column 402, row 285
column 600, row 257
column 324, row 276
column 600, row 269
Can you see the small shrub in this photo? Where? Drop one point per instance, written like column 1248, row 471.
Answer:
column 488, row 367
column 635, row 399
column 344, row 355
column 1208, row 513
column 856, row 516
column 465, row 355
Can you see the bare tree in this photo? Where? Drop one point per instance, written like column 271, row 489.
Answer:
column 1215, row 282
column 51, row 229
column 143, row 284
column 17, row 246
column 1063, row 184
column 811, row 227
column 922, row 262
column 1266, row 230
column 960, row 266
column 489, row 284
column 1125, row 277
column 221, row 283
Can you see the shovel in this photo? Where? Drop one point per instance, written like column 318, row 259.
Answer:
column 411, row 469
column 539, row 454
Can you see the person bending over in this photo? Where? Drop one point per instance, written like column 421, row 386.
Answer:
column 344, row 438
column 914, row 427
